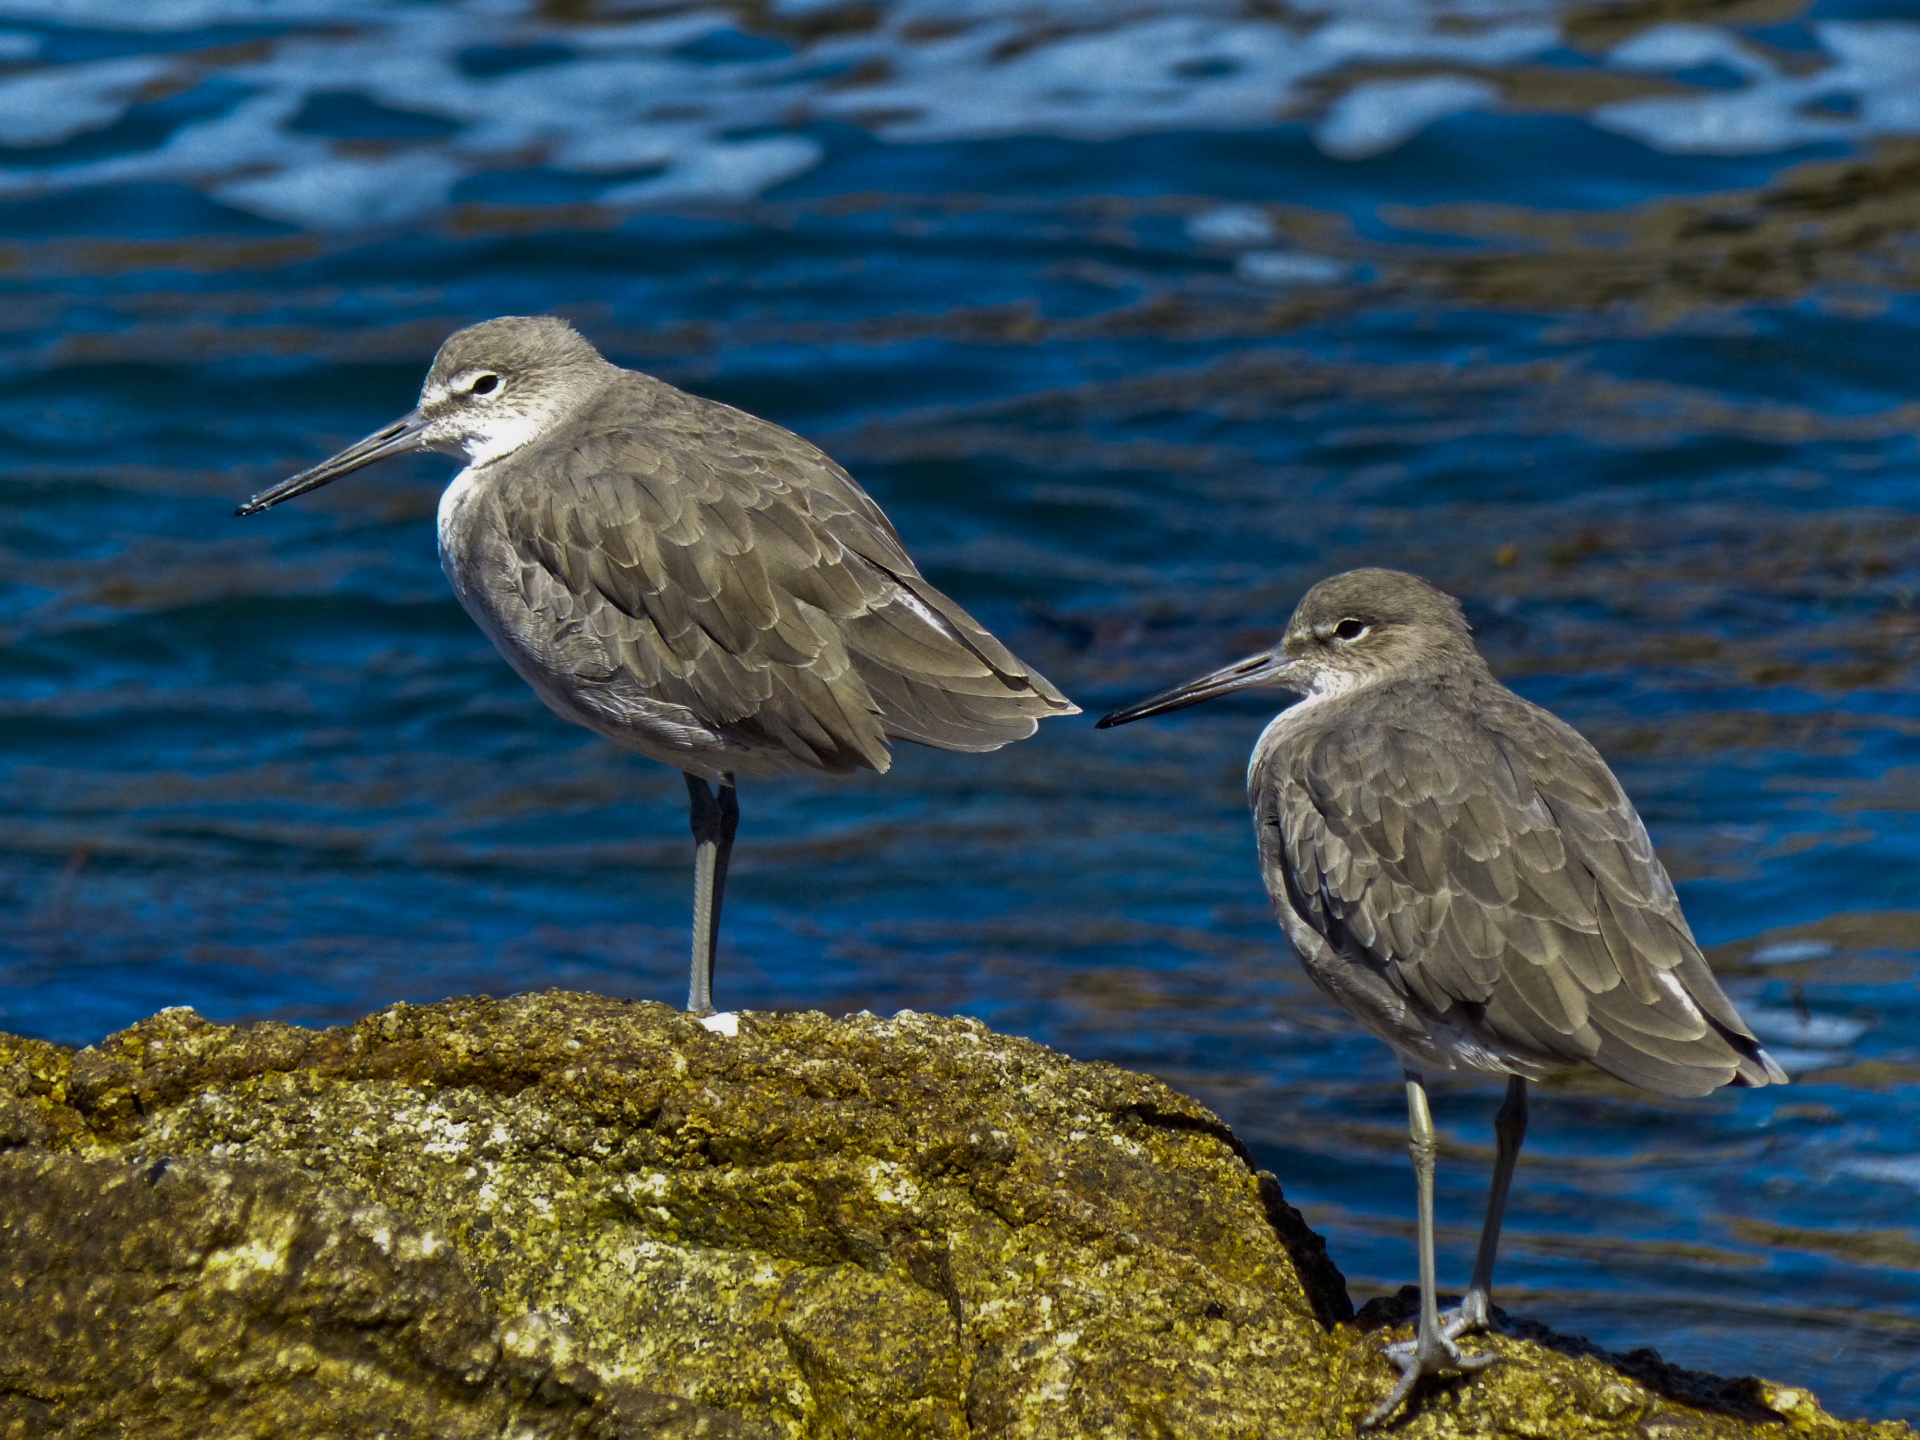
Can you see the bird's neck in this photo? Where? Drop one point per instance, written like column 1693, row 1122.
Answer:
column 1329, row 688
column 500, row 435
column 1338, row 692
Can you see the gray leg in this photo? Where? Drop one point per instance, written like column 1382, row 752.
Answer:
column 1431, row 1352
column 1510, row 1129
column 714, row 820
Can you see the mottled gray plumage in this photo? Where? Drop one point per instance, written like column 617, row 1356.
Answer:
column 1460, row 871
column 711, row 590
column 693, row 583
column 1464, row 873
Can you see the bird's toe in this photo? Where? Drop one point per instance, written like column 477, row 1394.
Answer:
column 1418, row 1358
column 1380, row 1413
column 1470, row 1364
column 1471, row 1316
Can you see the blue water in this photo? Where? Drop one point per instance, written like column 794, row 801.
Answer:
column 1137, row 324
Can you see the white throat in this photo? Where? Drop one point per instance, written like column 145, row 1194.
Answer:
column 1326, row 685
column 494, row 437
column 487, row 439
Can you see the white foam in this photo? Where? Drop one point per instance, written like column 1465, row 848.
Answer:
column 1868, row 89
column 1231, row 225
column 732, row 171
column 1791, row 952
column 669, row 129
column 178, row 14
column 1287, row 268
column 1797, row 1062
column 44, row 107
column 725, row 1023
column 1684, row 47
column 1795, row 1027
column 1381, row 115
column 1900, row 1170
column 342, row 192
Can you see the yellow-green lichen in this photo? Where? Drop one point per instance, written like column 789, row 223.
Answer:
column 813, row 1228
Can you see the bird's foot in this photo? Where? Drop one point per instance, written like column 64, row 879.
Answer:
column 1471, row 1316
column 1425, row 1355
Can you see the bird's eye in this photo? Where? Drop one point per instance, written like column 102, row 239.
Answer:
column 483, row 385
column 1350, row 629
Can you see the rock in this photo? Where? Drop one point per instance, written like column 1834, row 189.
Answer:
column 235, row 1298
column 564, row 1215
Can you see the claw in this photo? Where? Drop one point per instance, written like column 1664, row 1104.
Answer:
column 1421, row 1357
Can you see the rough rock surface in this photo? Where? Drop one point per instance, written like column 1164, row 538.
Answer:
column 563, row 1215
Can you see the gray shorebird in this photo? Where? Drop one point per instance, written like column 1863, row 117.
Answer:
column 1460, row 871
column 691, row 582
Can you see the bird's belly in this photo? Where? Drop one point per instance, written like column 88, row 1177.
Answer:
column 1425, row 1042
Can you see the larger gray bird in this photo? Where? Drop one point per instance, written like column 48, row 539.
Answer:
column 695, row 584
column 1461, row 872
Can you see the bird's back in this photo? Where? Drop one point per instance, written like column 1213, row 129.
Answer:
column 1462, row 871
column 682, row 577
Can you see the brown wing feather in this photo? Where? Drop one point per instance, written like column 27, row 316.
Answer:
column 688, row 553
column 1476, row 854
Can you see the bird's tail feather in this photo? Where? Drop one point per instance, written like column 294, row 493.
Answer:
column 1757, row 1067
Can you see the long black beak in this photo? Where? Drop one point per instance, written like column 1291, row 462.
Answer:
column 1254, row 671
column 405, row 434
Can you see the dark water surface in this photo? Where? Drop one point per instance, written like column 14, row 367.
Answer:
column 1138, row 319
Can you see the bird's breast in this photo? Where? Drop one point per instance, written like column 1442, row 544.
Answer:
column 475, row 552
column 1288, row 724
column 455, row 502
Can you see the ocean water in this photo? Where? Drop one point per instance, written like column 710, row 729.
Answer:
column 1138, row 319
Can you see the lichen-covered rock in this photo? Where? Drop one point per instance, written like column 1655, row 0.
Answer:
column 815, row 1227
column 191, row 1299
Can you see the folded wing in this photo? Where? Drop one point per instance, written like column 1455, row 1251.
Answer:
column 712, row 561
column 1497, row 875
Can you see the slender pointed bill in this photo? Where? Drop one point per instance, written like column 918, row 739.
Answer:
column 1254, row 671
column 403, row 435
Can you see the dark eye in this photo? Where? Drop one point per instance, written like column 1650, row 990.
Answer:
column 484, row 385
column 1349, row 629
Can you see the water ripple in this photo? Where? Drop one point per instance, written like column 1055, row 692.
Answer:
column 1138, row 319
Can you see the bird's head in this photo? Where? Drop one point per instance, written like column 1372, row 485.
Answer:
column 1350, row 630
column 492, row 388
column 495, row 385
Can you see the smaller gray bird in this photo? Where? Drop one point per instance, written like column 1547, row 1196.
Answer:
column 693, row 583
column 1460, row 871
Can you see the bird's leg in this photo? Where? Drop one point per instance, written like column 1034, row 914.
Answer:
column 1510, row 1129
column 1431, row 1352
column 713, row 821
column 729, row 799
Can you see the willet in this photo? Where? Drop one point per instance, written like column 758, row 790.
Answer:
column 693, row 583
column 1460, row 871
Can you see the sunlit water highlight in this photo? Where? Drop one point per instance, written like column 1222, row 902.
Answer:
column 1137, row 321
